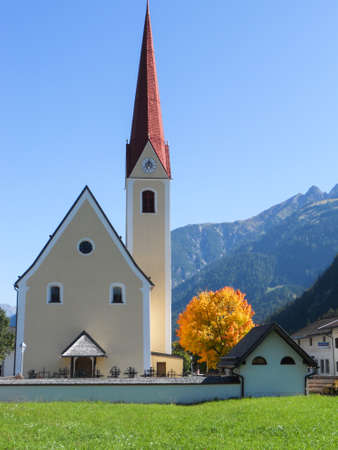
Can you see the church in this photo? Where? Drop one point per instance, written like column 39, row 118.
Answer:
column 89, row 302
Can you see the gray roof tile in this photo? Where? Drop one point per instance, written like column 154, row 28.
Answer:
column 251, row 341
column 319, row 327
column 84, row 345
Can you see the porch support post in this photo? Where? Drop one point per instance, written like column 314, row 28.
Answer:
column 72, row 367
column 94, row 366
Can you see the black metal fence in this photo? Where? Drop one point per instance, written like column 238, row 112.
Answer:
column 115, row 372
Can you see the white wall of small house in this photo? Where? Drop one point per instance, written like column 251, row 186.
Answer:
column 321, row 350
column 273, row 379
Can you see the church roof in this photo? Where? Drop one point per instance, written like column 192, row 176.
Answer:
column 83, row 345
column 86, row 193
column 147, row 118
column 253, row 339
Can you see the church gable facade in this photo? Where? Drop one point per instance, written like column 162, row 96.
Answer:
column 149, row 165
column 84, row 279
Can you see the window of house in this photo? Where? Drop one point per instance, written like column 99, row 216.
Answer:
column 117, row 293
column 336, row 342
column 259, row 361
column 337, row 366
column 298, row 341
column 287, row 361
column 54, row 293
column 324, row 366
column 310, row 341
column 148, row 201
column 327, row 366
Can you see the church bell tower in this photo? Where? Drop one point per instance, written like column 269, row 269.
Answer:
column 148, row 194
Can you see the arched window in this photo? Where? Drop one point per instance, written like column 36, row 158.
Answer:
column 117, row 293
column 287, row 361
column 148, row 202
column 54, row 293
column 259, row 361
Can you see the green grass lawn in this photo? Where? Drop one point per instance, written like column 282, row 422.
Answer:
column 292, row 422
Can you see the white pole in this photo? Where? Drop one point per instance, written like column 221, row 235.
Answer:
column 23, row 348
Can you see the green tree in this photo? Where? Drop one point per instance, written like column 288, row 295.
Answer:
column 179, row 351
column 6, row 336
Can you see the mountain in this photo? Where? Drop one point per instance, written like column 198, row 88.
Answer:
column 272, row 257
column 196, row 246
column 317, row 301
column 252, row 273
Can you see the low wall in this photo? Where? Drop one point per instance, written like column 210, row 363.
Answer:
column 122, row 391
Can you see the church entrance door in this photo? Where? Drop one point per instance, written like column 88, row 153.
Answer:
column 161, row 369
column 84, row 367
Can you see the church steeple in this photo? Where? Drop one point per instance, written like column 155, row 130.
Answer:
column 147, row 118
column 148, row 195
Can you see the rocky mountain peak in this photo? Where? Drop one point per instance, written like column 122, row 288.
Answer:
column 314, row 194
column 334, row 192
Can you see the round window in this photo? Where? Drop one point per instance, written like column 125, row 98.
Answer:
column 85, row 247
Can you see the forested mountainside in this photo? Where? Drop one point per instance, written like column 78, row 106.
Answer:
column 272, row 257
column 196, row 246
column 252, row 273
column 314, row 303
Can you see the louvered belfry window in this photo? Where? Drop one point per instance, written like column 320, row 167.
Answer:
column 148, row 202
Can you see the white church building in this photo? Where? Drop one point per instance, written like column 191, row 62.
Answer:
column 89, row 302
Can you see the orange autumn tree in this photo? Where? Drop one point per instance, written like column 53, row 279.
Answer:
column 213, row 323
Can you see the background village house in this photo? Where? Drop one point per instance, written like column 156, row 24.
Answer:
column 320, row 340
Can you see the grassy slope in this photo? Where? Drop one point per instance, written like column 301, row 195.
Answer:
column 297, row 423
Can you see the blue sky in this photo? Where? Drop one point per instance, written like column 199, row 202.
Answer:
column 249, row 93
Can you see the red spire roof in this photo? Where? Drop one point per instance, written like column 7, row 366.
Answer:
column 147, row 118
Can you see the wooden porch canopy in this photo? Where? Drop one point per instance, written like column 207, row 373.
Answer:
column 83, row 345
